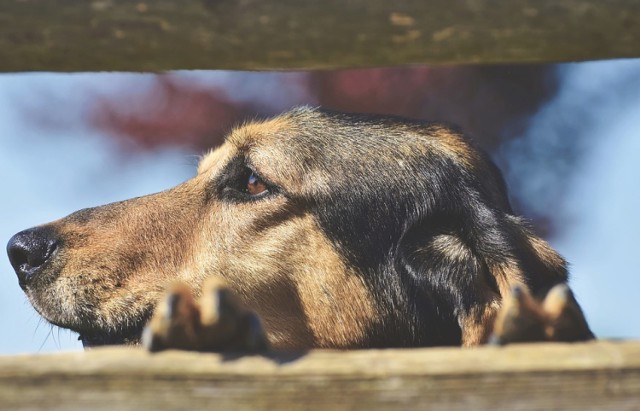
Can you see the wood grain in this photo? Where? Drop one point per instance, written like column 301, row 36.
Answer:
column 589, row 376
column 62, row 35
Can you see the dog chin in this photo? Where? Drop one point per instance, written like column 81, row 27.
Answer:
column 130, row 335
column 92, row 335
column 99, row 339
column 95, row 337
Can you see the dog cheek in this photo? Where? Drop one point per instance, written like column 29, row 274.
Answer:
column 340, row 309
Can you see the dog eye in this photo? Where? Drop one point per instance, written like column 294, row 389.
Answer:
column 255, row 186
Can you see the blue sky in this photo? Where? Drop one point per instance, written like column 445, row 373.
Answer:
column 46, row 174
column 597, row 109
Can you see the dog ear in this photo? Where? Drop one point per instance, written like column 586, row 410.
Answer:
column 442, row 267
column 467, row 266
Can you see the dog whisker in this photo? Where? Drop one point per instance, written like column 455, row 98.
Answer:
column 49, row 334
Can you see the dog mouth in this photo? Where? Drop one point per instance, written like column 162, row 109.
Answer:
column 92, row 335
column 93, row 328
column 130, row 336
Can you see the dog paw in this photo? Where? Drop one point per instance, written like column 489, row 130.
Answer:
column 216, row 322
column 521, row 319
column 565, row 320
column 524, row 319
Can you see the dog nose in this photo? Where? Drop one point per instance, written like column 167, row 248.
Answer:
column 29, row 250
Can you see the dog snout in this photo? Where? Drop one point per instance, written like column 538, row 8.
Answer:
column 29, row 250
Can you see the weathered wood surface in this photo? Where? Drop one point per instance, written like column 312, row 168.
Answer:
column 63, row 35
column 590, row 376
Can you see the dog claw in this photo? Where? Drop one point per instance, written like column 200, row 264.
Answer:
column 217, row 322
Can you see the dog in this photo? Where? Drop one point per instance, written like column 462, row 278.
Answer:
column 313, row 229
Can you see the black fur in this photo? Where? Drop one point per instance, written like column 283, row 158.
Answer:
column 384, row 220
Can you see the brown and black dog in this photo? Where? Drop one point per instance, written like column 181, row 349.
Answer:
column 334, row 230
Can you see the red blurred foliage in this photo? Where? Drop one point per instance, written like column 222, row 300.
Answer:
column 490, row 103
column 172, row 112
column 395, row 91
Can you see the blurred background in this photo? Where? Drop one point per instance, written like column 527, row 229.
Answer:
column 567, row 138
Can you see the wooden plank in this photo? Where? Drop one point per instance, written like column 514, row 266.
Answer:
column 63, row 35
column 589, row 376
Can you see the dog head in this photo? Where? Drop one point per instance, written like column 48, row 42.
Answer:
column 338, row 230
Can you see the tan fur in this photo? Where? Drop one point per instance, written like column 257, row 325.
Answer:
column 477, row 327
column 214, row 157
column 547, row 255
column 304, row 294
column 271, row 253
column 116, row 261
column 507, row 276
column 99, row 263
column 457, row 148
column 180, row 329
column 557, row 317
column 521, row 318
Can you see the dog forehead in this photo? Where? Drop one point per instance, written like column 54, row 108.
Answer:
column 309, row 149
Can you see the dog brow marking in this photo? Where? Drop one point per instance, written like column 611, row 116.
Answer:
column 214, row 157
column 246, row 136
column 276, row 149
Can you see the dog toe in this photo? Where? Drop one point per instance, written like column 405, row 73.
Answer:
column 175, row 323
column 520, row 319
column 226, row 324
column 217, row 322
column 566, row 322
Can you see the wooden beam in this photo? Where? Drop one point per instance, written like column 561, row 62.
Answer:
column 590, row 376
column 63, row 35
